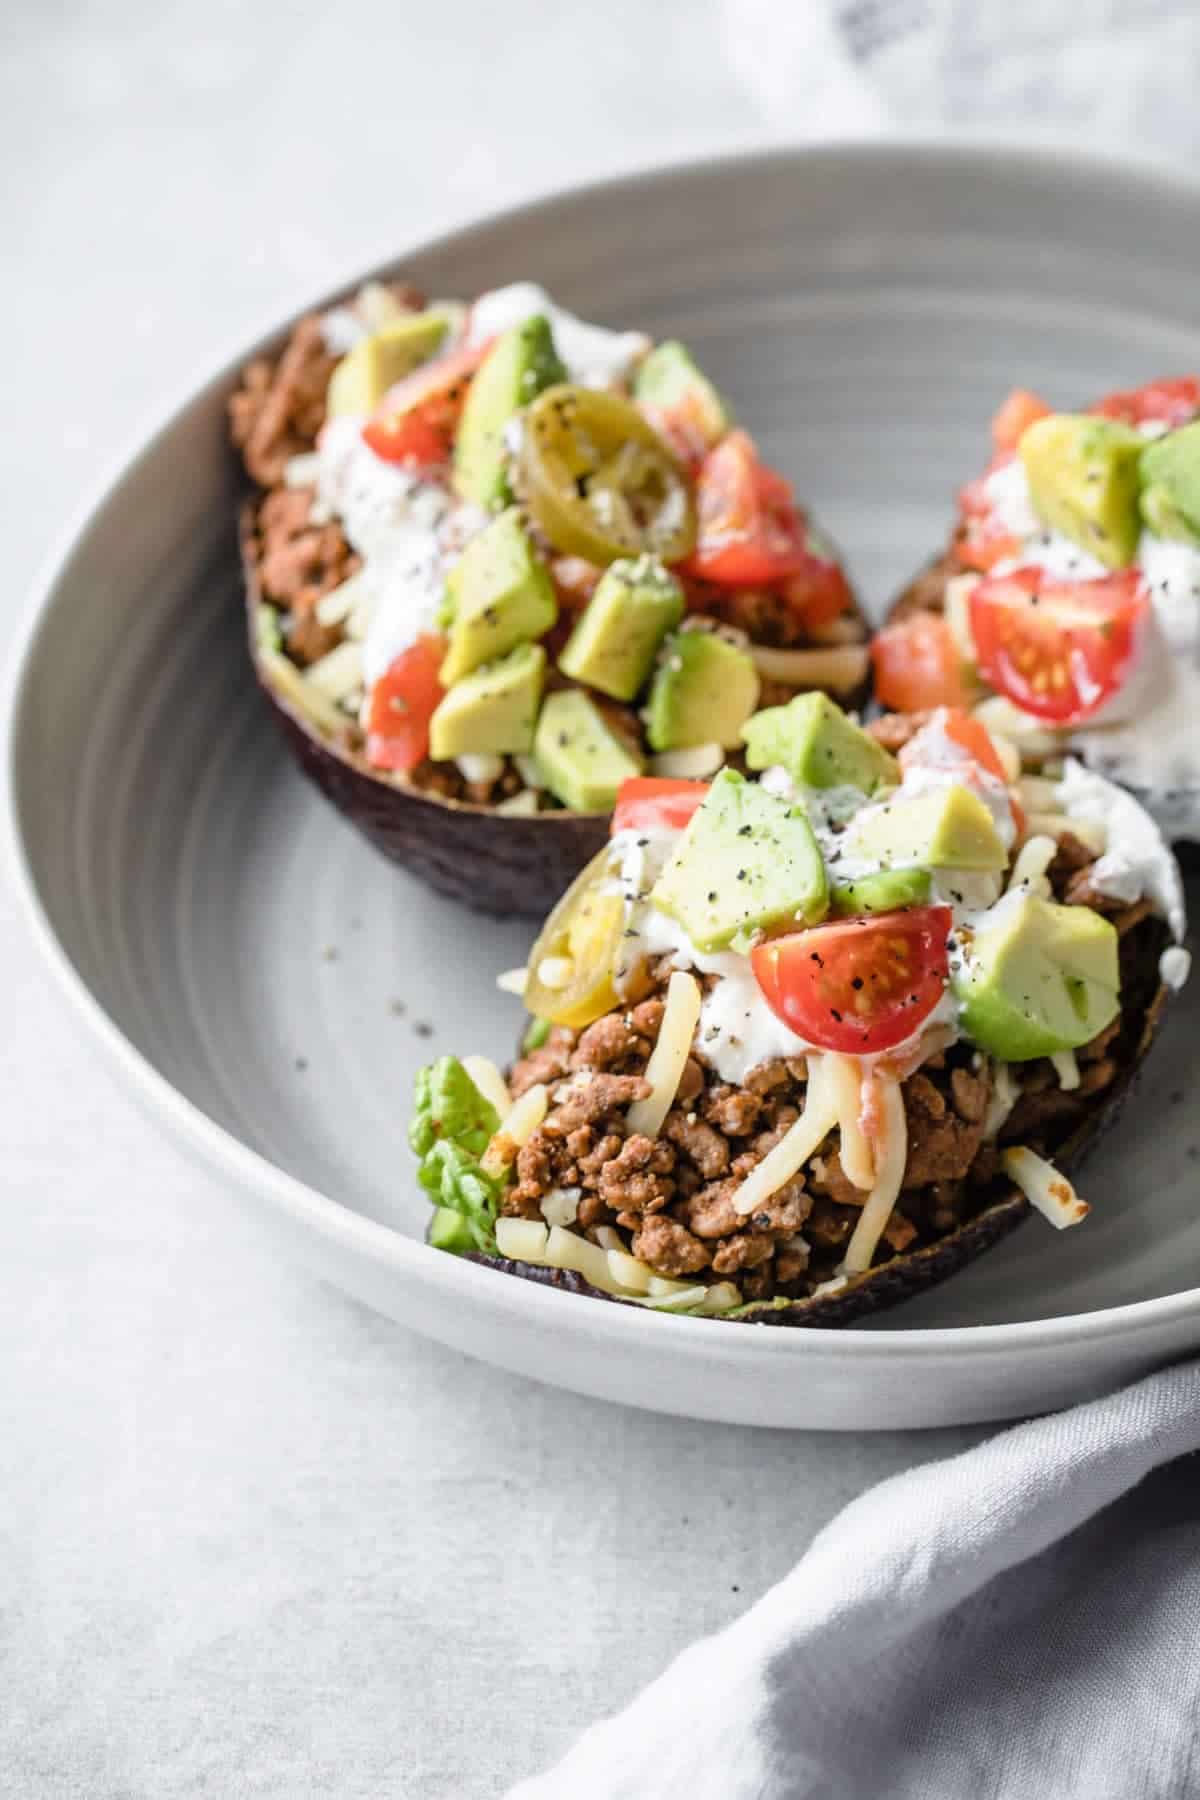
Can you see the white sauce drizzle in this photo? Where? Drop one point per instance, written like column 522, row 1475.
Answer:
column 593, row 355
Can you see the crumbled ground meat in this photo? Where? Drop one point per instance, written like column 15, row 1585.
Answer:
column 894, row 730
column 279, row 408
column 674, row 1195
column 297, row 564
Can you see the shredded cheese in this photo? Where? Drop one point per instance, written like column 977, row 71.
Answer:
column 877, row 1211
column 1044, row 1187
column 292, row 685
column 555, row 971
column 793, row 1150
column 857, row 1158
column 561, row 1205
column 1056, row 824
column 688, row 765
column 957, row 611
column 1067, row 1069
column 524, row 1240
column 842, row 667
column 664, row 1071
column 1000, row 715
column 480, row 766
column 1006, row 1091
column 519, row 806
column 490, row 1082
column 516, row 1128
column 1029, row 870
column 338, row 674
column 512, row 981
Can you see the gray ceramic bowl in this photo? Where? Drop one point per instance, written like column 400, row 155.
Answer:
column 269, row 985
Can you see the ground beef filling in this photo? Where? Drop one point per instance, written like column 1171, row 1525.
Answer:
column 672, row 1196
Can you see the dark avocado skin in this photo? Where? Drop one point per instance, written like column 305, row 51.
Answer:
column 926, row 592
column 906, row 1276
column 490, row 861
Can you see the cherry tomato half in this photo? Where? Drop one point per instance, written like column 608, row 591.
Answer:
column 416, row 420
column 403, row 701
column 750, row 532
column 1174, row 401
column 859, row 985
column 917, row 665
column 1057, row 649
column 1021, row 410
column 647, row 803
column 819, row 592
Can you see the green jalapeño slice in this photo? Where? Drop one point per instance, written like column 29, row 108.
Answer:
column 598, row 480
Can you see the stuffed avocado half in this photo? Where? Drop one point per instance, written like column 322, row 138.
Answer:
column 1068, row 600
column 808, row 1038
column 503, row 561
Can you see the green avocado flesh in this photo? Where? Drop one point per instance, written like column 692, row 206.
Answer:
column 704, row 689
column 1171, row 484
column 886, row 891
column 581, row 759
column 747, row 861
column 616, row 637
column 492, row 711
column 1083, row 476
column 1041, row 978
column 670, row 382
column 499, row 596
column 816, row 743
column 518, row 366
column 947, row 828
column 375, row 364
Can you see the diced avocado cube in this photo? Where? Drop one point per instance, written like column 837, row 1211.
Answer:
column 581, row 759
column 518, row 366
column 704, row 689
column 885, row 891
column 376, row 363
column 492, row 711
column 670, row 384
column 449, row 1230
column 1083, row 476
column 816, row 743
column 946, row 828
column 747, row 861
column 1038, row 979
column 501, row 596
column 613, row 644
column 1171, row 484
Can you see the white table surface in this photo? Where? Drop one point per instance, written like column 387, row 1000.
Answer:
column 253, row 1539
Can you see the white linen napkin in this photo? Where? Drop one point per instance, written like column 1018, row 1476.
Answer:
column 1012, row 1623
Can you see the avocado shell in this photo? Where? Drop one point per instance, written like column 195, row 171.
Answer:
column 903, row 1277
column 499, row 863
column 506, row 864
column 926, row 592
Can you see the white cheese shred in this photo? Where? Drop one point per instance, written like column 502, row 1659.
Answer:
column 664, row 1071
column 517, row 1126
column 857, row 1157
column 1029, row 870
column 489, row 1081
column 842, row 668
column 878, row 1208
column 524, row 1240
column 512, row 981
column 1044, row 1187
column 1066, row 1068
column 793, row 1150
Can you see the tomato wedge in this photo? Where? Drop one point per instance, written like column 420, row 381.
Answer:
column 750, row 531
column 983, row 541
column 819, row 592
column 403, row 701
column 1057, row 649
column 646, row 803
column 860, row 985
column 1021, row 410
column 917, row 665
column 415, row 422
column 1174, row 401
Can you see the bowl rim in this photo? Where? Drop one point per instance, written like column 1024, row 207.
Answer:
column 330, row 1221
